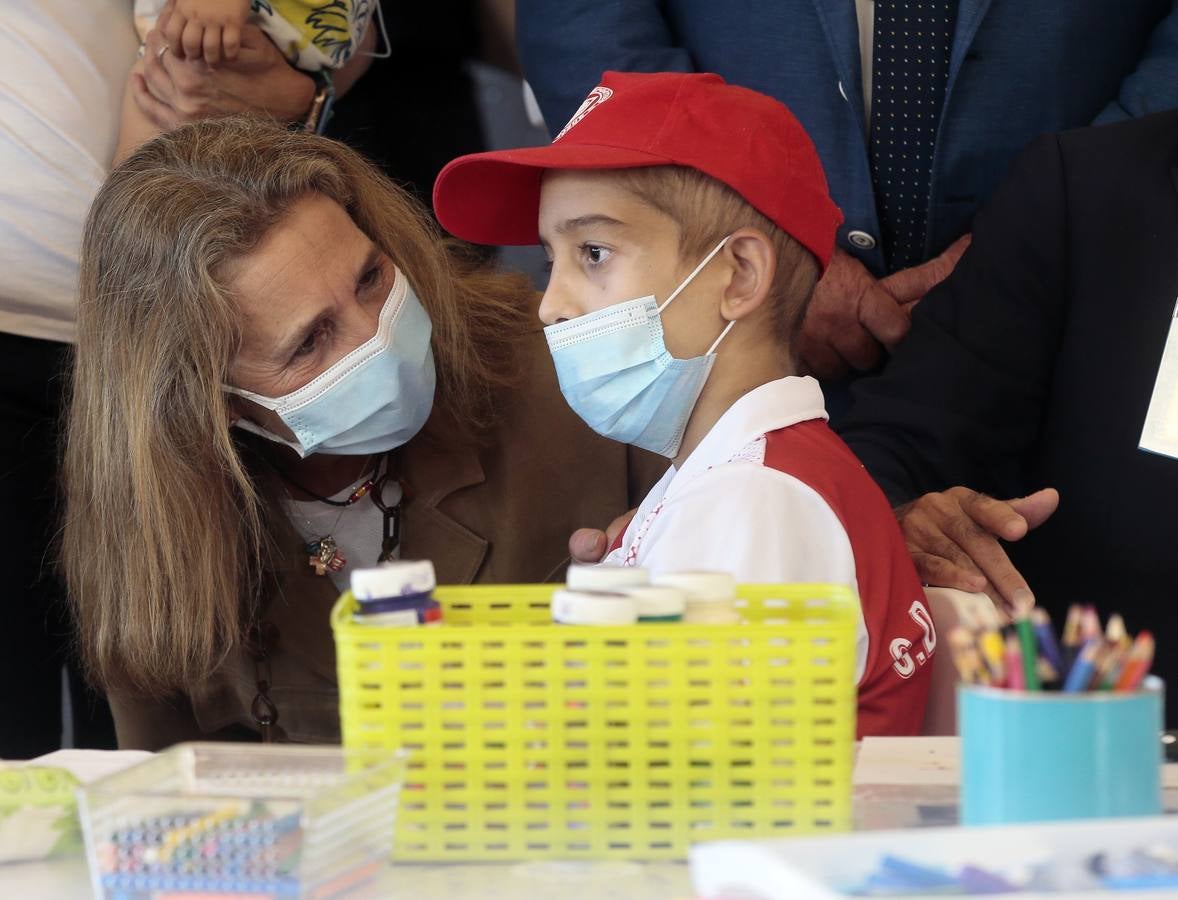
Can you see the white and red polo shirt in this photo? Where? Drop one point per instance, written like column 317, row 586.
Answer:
column 772, row 495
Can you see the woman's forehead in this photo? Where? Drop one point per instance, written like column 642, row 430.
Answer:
column 314, row 248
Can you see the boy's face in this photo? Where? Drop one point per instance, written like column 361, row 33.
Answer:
column 606, row 246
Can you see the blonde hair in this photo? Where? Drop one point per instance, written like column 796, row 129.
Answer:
column 705, row 210
column 165, row 546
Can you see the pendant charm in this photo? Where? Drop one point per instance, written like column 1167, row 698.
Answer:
column 323, row 556
column 391, row 541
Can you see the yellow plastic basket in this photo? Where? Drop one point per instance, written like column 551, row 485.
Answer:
column 534, row 740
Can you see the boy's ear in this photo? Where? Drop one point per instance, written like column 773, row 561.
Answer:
column 754, row 262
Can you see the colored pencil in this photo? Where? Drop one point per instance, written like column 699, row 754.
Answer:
column 1090, row 624
column 1081, row 672
column 1116, row 633
column 1048, row 646
column 1029, row 650
column 993, row 652
column 966, row 657
column 1137, row 664
column 1072, row 642
column 1109, row 669
column 1016, row 678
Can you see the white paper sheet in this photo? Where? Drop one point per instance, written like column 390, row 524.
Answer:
column 90, row 765
column 1160, row 432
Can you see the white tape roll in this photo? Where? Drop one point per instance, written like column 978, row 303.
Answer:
column 605, row 578
column 711, row 596
column 593, row 608
column 700, row 585
column 656, row 601
column 713, row 613
column 405, row 618
column 394, row 579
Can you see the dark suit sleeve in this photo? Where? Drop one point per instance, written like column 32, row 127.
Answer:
column 565, row 45
column 961, row 400
column 1153, row 85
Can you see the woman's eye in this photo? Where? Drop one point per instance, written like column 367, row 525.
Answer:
column 369, row 277
column 307, row 346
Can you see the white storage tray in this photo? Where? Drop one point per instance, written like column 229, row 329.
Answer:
column 819, row 868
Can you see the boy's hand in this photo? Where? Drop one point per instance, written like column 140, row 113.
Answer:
column 204, row 29
column 953, row 538
column 589, row 545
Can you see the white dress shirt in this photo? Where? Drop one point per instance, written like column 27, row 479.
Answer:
column 725, row 510
column 63, row 65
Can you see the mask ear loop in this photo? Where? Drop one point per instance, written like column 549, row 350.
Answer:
column 388, row 47
column 723, row 334
column 686, row 281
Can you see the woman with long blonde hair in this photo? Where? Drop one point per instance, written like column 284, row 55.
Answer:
column 283, row 371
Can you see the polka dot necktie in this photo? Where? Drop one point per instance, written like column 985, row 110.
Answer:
column 910, row 66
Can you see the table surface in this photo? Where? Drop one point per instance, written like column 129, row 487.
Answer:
column 898, row 783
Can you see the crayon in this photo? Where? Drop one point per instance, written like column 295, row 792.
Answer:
column 1015, row 673
column 1029, row 650
column 1081, row 672
column 1137, row 664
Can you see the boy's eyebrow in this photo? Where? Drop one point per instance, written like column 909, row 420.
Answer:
column 585, row 222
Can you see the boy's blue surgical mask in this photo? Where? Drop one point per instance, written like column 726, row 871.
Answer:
column 375, row 398
column 616, row 373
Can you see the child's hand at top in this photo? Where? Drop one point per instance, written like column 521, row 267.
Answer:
column 204, row 29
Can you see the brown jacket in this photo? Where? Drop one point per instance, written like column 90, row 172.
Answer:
column 498, row 513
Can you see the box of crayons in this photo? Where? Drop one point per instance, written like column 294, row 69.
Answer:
column 1054, row 727
column 230, row 820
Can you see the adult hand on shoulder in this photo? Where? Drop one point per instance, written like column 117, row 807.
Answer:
column 173, row 91
column 851, row 319
column 954, row 535
column 589, row 545
column 909, row 286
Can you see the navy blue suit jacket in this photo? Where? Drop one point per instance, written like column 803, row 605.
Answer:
column 1034, row 363
column 1018, row 68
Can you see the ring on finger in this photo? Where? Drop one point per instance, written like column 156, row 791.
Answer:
column 159, row 54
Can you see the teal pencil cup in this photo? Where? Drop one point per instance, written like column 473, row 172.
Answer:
column 1034, row 757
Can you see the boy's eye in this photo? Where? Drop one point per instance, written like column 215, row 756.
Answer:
column 594, row 254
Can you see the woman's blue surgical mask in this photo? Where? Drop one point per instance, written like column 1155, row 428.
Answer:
column 375, row 398
column 616, row 373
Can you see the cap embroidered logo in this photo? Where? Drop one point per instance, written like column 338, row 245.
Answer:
column 596, row 97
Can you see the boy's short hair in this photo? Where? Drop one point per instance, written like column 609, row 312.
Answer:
column 705, row 210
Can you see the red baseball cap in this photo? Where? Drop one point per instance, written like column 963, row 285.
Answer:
column 749, row 141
